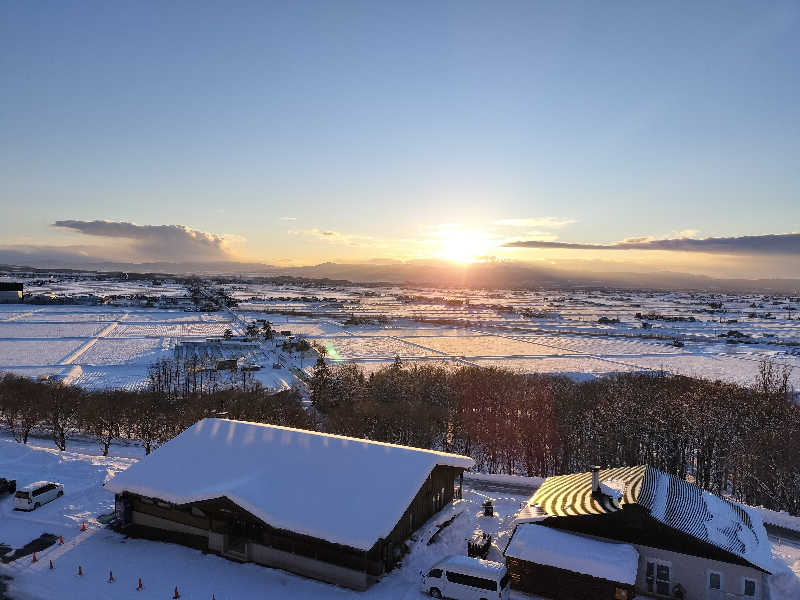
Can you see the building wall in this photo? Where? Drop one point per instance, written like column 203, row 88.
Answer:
column 10, row 297
column 552, row 582
column 138, row 518
column 692, row 573
column 308, row 567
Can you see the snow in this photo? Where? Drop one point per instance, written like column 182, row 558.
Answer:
column 589, row 556
column 515, row 480
column 754, row 539
column 779, row 518
column 163, row 566
column 613, row 488
column 343, row 490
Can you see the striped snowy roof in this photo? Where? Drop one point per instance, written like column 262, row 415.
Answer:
column 670, row 500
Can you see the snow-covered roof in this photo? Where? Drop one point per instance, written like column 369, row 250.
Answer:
column 670, row 500
column 344, row 490
column 547, row 546
column 475, row 566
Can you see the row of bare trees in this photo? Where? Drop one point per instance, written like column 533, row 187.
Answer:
column 729, row 439
column 150, row 416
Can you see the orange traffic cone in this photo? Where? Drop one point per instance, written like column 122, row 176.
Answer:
column 110, row 577
column 176, row 595
column 34, row 557
column 80, row 571
column 83, row 526
column 51, row 564
column 140, row 586
column 61, row 540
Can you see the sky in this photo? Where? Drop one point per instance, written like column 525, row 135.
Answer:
column 299, row 133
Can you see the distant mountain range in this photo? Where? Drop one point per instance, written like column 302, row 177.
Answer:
column 435, row 273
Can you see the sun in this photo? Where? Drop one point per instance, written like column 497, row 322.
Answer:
column 462, row 246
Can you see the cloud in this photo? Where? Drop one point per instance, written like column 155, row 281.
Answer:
column 546, row 222
column 770, row 244
column 158, row 242
column 288, row 218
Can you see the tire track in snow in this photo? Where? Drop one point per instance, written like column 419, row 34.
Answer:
column 23, row 315
column 80, row 351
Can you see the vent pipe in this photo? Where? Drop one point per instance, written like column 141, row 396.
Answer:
column 595, row 479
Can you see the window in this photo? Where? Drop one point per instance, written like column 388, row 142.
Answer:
column 435, row 573
column 658, row 577
column 23, row 495
column 471, row 581
column 620, row 594
column 749, row 586
column 714, row 580
column 504, row 581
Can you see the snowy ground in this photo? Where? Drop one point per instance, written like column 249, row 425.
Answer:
column 97, row 346
column 563, row 338
column 547, row 331
column 164, row 566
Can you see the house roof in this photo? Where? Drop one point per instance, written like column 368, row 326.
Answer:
column 344, row 490
column 579, row 554
column 670, row 500
column 11, row 286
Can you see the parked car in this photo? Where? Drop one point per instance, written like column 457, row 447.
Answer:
column 465, row 578
column 8, row 486
column 33, row 495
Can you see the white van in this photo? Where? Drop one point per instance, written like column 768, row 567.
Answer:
column 464, row 578
column 33, row 495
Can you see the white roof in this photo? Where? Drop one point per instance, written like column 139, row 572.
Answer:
column 469, row 565
column 552, row 547
column 36, row 485
column 344, row 490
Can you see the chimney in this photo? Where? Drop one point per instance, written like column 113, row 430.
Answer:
column 595, row 479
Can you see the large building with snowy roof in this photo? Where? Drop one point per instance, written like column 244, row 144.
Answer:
column 690, row 543
column 330, row 507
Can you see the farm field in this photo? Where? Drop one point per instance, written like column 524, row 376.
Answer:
column 578, row 333
column 97, row 346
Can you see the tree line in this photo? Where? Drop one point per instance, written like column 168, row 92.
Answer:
column 729, row 439
column 743, row 441
column 150, row 416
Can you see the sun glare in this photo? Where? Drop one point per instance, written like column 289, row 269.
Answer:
column 462, row 246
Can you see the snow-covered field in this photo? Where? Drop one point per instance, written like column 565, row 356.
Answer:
column 542, row 331
column 548, row 331
column 97, row 346
column 162, row 566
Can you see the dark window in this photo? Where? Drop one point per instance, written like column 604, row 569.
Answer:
column 750, row 588
column 435, row 573
column 658, row 577
column 714, row 581
column 43, row 489
column 470, row 580
column 22, row 495
column 504, row 581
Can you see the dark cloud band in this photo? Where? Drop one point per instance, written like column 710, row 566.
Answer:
column 776, row 244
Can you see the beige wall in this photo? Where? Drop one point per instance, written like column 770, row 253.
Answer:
column 692, row 573
column 159, row 523
column 309, row 567
column 264, row 555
